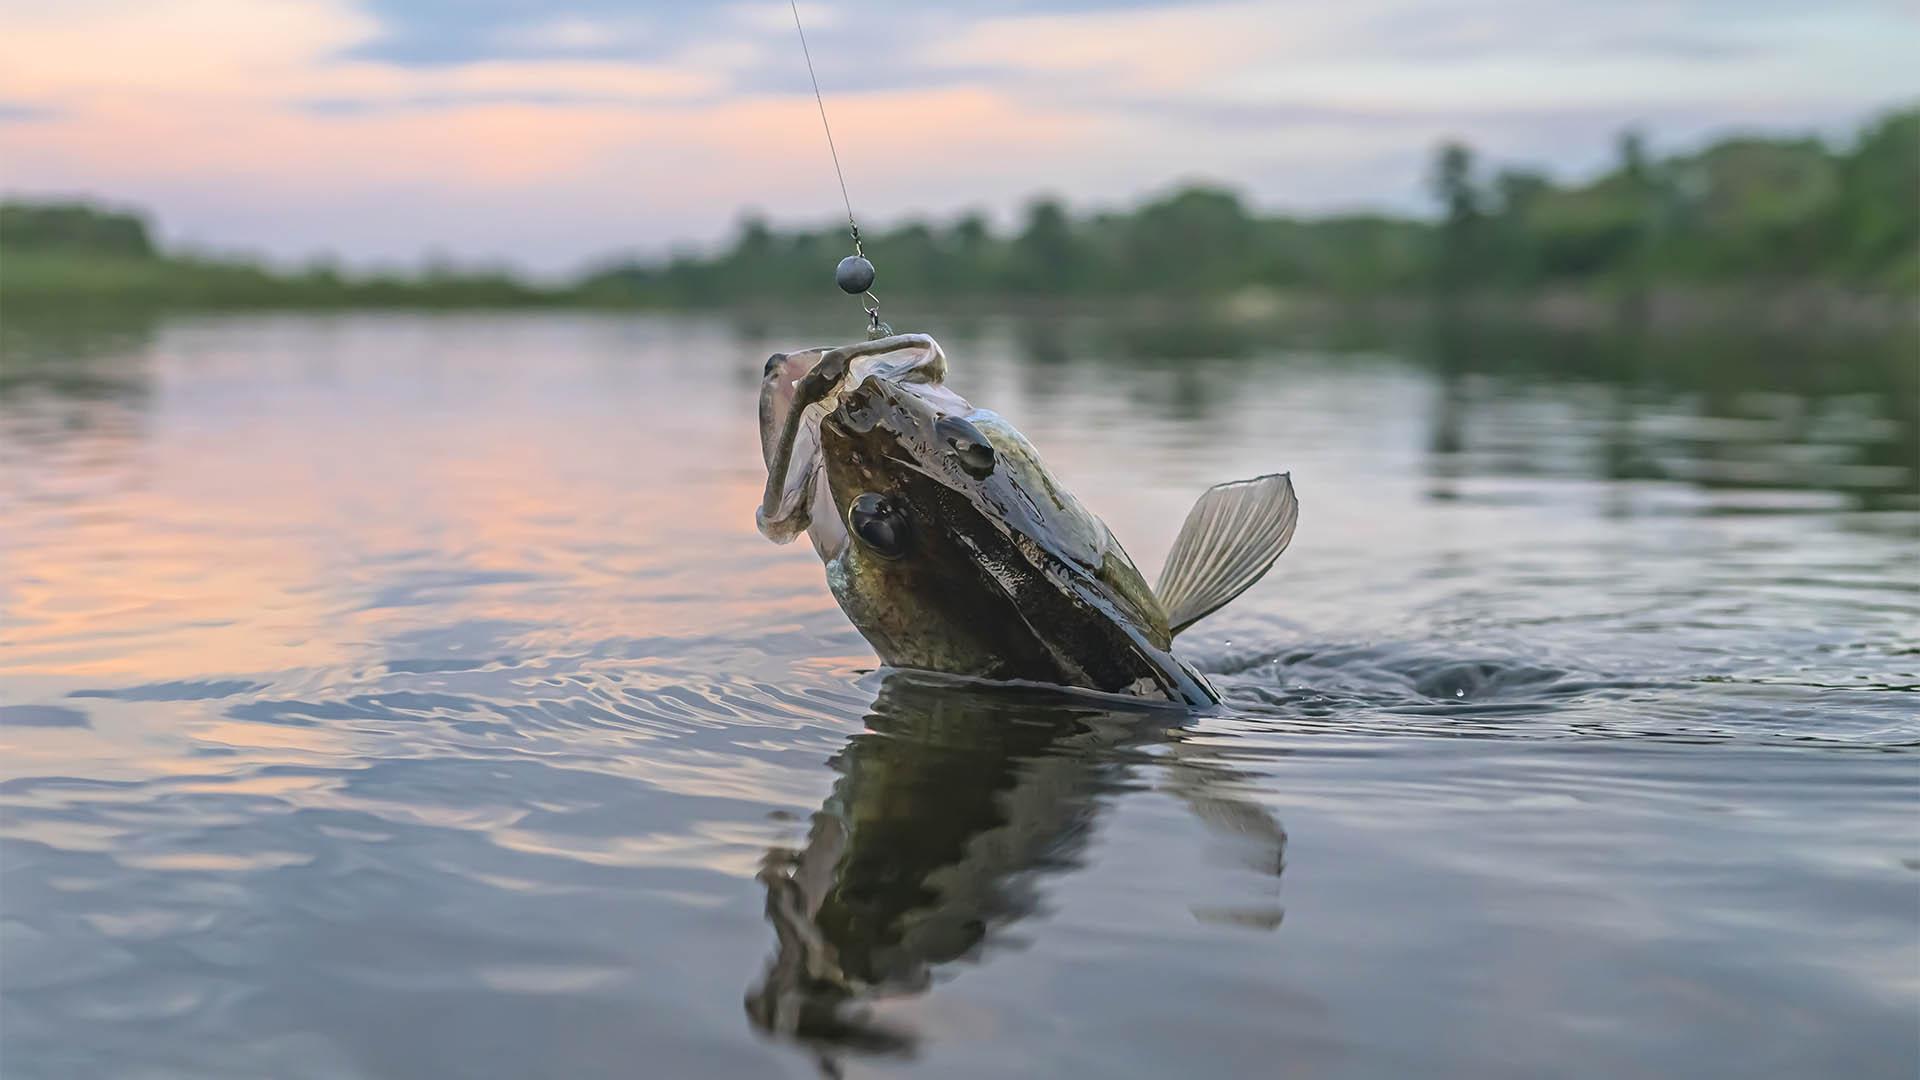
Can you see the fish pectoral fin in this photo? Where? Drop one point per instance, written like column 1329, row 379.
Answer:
column 1230, row 538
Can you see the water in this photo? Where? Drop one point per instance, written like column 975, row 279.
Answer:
column 411, row 696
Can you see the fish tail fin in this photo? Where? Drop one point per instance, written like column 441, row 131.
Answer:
column 1230, row 538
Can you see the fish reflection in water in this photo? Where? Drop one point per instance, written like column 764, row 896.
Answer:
column 951, row 809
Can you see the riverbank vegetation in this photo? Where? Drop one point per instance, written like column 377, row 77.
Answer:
column 1740, row 212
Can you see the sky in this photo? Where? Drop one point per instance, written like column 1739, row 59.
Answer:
column 547, row 135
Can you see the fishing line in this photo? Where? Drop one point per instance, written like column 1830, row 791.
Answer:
column 824, row 126
column 855, row 273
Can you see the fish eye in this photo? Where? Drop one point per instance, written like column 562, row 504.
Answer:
column 773, row 362
column 965, row 443
column 880, row 525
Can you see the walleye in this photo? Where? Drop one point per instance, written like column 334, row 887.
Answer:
column 953, row 549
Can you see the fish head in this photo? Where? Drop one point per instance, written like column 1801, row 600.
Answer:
column 954, row 549
column 803, row 484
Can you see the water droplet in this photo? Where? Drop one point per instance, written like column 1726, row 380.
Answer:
column 1459, row 692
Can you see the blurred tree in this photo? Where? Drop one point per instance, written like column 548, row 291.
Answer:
column 1632, row 149
column 756, row 237
column 1046, row 258
column 1198, row 239
column 73, row 227
column 1637, row 195
column 1876, row 214
column 969, row 249
column 1517, row 195
column 1462, row 224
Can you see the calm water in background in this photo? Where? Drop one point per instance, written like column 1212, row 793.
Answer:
column 400, row 696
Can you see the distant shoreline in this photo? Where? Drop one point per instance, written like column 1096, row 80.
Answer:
column 1773, row 306
column 1784, row 233
column 1782, row 307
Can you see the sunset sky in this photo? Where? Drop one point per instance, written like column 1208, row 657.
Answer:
column 546, row 134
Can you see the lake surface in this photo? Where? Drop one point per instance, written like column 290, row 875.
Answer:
column 409, row 696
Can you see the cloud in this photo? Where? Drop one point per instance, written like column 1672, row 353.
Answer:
column 82, row 51
column 572, row 34
column 441, row 101
column 23, row 112
column 441, row 32
column 42, row 716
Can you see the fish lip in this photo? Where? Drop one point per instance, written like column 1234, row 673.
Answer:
column 779, row 380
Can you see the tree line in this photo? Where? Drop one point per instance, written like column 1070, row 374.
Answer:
column 1740, row 210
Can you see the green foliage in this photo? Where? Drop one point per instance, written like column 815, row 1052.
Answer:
column 1195, row 241
column 1877, row 209
column 1741, row 210
column 43, row 277
column 73, row 227
column 53, row 253
column 1463, row 247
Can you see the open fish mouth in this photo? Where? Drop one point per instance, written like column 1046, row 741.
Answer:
column 791, row 496
column 795, row 492
column 777, row 387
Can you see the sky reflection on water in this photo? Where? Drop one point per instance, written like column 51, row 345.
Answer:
column 400, row 696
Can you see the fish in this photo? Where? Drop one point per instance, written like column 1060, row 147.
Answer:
column 952, row 548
